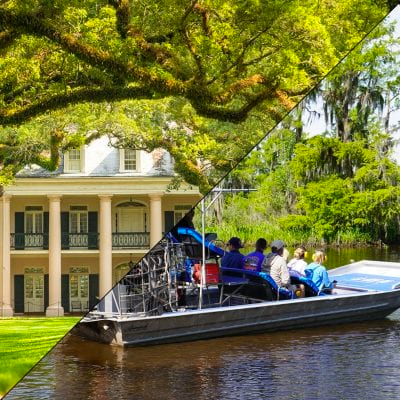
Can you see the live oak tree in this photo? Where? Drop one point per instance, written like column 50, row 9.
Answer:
column 206, row 78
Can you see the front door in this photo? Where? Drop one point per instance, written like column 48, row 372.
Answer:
column 34, row 293
column 79, row 292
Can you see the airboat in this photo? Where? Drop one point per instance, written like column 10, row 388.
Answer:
column 178, row 292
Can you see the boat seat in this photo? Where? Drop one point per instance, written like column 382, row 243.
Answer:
column 258, row 285
column 232, row 286
column 212, row 277
column 310, row 287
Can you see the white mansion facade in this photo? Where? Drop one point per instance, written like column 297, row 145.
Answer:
column 68, row 236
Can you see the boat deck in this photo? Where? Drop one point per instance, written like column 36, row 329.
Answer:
column 368, row 282
column 370, row 276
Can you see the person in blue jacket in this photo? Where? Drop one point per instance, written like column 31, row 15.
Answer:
column 318, row 273
column 233, row 258
column 255, row 259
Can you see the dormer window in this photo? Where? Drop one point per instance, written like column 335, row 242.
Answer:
column 129, row 160
column 73, row 160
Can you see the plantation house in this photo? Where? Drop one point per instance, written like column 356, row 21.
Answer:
column 68, row 236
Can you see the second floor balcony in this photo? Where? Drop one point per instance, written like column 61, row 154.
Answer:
column 89, row 241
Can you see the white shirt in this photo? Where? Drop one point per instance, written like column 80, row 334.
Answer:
column 296, row 267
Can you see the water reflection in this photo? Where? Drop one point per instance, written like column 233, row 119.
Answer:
column 353, row 361
column 341, row 256
column 338, row 256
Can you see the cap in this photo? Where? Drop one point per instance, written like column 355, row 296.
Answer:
column 277, row 244
column 235, row 242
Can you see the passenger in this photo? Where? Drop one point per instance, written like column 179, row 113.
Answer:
column 233, row 258
column 254, row 260
column 275, row 265
column 318, row 273
column 297, row 264
column 296, row 268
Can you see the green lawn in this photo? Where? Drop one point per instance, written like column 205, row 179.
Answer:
column 24, row 341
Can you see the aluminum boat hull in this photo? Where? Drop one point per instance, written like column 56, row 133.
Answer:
column 350, row 305
column 243, row 319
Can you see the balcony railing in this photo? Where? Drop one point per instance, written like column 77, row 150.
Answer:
column 21, row 241
column 125, row 240
column 130, row 240
column 80, row 240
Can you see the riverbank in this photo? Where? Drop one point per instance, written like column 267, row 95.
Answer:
column 25, row 341
column 292, row 237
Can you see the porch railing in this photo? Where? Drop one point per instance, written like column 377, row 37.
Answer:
column 131, row 240
column 120, row 240
column 20, row 241
column 88, row 240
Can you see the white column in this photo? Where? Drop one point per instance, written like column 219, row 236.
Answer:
column 155, row 218
column 105, row 245
column 55, row 308
column 6, row 307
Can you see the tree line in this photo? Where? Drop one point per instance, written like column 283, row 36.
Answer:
column 339, row 186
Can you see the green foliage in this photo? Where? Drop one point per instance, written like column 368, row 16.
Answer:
column 225, row 72
column 296, row 223
column 326, row 206
column 249, row 233
column 196, row 143
column 324, row 202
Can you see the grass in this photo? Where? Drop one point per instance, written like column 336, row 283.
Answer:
column 24, row 341
column 292, row 237
column 250, row 233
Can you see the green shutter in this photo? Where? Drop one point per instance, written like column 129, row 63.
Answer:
column 45, row 230
column 65, row 292
column 19, row 231
column 19, row 306
column 65, row 230
column 169, row 221
column 92, row 230
column 93, row 290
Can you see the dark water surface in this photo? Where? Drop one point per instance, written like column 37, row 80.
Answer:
column 352, row 361
column 342, row 256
